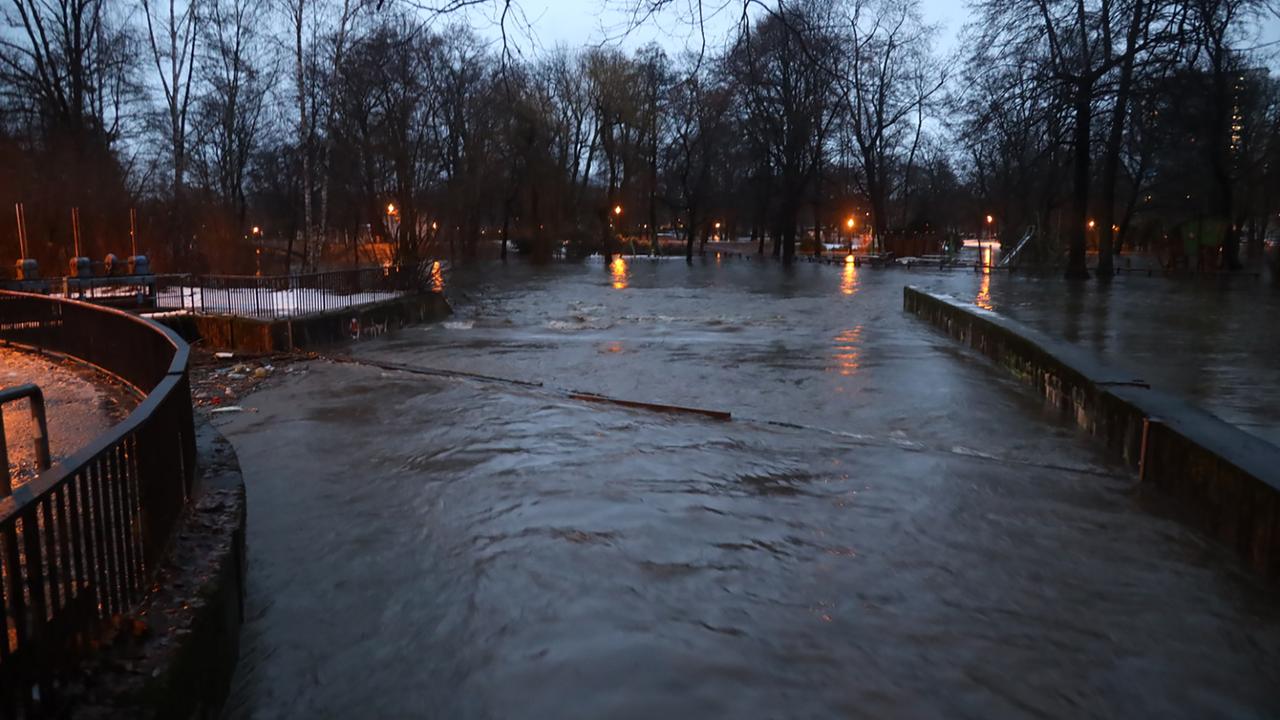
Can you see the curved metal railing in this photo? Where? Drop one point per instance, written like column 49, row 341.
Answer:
column 80, row 543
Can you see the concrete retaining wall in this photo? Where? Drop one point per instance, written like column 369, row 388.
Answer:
column 1225, row 481
column 226, row 332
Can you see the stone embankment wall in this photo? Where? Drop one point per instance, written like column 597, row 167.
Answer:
column 1224, row 480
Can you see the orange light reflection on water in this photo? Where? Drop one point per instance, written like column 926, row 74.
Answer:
column 983, row 300
column 849, row 278
column 618, row 268
column 984, row 293
column 848, row 350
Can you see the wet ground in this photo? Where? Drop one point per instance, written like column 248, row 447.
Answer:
column 889, row 527
column 80, row 403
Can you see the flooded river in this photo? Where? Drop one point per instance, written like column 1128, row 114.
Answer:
column 888, row 527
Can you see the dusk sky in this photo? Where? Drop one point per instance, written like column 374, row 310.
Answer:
column 578, row 22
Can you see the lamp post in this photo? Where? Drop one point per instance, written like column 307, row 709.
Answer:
column 393, row 220
column 982, row 257
column 616, row 223
column 849, row 225
column 257, row 252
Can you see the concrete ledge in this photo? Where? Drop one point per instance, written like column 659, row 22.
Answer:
column 225, row 332
column 175, row 655
column 1225, row 481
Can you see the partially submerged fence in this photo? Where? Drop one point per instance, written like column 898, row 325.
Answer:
column 280, row 296
column 263, row 297
column 80, row 543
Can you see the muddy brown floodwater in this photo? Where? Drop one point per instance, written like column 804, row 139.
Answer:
column 888, row 528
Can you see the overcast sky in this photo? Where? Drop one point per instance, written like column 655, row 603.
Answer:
column 581, row 22
column 575, row 23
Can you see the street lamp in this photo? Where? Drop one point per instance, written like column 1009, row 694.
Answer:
column 615, row 225
column 982, row 255
column 257, row 252
column 849, row 225
column 393, row 219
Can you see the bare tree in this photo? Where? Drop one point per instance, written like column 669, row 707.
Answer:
column 68, row 93
column 782, row 71
column 698, row 119
column 890, row 81
column 236, row 77
column 173, row 33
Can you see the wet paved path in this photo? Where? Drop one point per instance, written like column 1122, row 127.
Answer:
column 79, row 404
column 888, row 528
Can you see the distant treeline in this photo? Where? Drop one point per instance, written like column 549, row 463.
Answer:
column 332, row 125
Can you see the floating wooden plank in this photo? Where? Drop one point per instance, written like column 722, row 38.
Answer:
column 420, row 370
column 655, row 407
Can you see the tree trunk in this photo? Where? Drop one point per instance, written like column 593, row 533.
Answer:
column 304, row 135
column 788, row 222
column 689, row 233
column 1111, row 165
column 653, row 176
column 1078, row 222
column 506, row 226
column 817, row 229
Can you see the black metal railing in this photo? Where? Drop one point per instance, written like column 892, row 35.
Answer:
column 281, row 296
column 39, row 423
column 80, row 543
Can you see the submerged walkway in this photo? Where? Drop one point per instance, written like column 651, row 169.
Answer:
column 79, row 401
column 889, row 527
column 1210, row 340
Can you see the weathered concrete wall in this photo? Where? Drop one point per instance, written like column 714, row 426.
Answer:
column 310, row 331
column 1225, row 480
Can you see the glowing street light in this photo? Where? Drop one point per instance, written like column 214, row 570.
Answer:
column 617, row 209
column 393, row 220
column 257, row 252
column 1092, row 224
column 984, row 259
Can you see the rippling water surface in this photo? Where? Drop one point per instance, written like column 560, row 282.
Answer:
column 888, row 527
